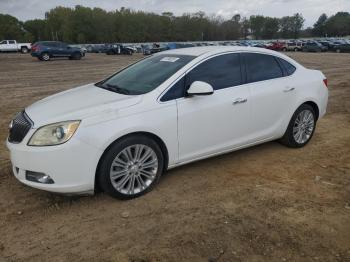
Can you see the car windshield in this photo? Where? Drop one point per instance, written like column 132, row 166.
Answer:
column 146, row 75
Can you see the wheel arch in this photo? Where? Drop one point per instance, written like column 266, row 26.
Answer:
column 307, row 102
column 47, row 52
column 150, row 135
column 314, row 106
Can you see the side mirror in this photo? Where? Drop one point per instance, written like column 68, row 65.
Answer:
column 199, row 88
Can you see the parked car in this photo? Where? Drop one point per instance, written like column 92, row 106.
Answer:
column 13, row 46
column 96, row 48
column 313, row 47
column 293, row 46
column 121, row 134
column 133, row 48
column 82, row 48
column 158, row 48
column 276, row 46
column 146, row 49
column 118, row 49
column 327, row 44
column 261, row 45
column 342, row 48
column 46, row 50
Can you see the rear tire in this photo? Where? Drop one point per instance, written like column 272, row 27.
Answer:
column 45, row 57
column 24, row 50
column 300, row 128
column 131, row 167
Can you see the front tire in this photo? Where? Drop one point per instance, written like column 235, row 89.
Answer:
column 131, row 167
column 301, row 127
column 75, row 56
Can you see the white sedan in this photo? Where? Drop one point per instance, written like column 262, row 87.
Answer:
column 121, row 134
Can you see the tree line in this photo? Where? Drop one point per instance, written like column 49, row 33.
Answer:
column 95, row 25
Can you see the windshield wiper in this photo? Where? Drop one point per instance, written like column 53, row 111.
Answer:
column 116, row 89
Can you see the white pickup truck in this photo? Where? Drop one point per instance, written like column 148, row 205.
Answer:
column 13, row 46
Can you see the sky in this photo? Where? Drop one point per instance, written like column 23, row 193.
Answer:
column 310, row 9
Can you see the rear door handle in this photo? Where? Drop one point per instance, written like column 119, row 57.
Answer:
column 288, row 89
column 239, row 101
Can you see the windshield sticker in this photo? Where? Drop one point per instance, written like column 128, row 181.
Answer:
column 169, row 59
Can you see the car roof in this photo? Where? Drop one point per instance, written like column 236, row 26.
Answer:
column 212, row 50
column 206, row 51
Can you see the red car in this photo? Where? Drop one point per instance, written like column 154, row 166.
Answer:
column 276, row 46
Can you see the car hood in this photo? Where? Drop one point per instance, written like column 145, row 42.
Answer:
column 77, row 104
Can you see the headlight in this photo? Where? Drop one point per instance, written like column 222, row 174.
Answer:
column 54, row 134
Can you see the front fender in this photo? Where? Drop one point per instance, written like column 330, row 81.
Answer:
column 161, row 122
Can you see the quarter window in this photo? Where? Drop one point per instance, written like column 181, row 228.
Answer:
column 175, row 92
column 221, row 72
column 261, row 67
column 288, row 67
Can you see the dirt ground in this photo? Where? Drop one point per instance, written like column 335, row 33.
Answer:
column 266, row 203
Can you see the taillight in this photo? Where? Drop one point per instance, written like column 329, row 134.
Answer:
column 325, row 81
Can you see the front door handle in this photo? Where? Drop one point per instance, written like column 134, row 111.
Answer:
column 288, row 89
column 239, row 101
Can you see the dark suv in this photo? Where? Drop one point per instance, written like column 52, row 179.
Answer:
column 314, row 47
column 48, row 49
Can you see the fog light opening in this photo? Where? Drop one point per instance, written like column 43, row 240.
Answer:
column 39, row 177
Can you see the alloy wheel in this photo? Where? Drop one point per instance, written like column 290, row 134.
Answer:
column 134, row 169
column 46, row 57
column 303, row 126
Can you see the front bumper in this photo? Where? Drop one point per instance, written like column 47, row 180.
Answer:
column 72, row 165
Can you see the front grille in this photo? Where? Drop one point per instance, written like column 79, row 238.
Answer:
column 20, row 127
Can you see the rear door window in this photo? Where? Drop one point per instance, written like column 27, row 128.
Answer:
column 51, row 44
column 261, row 67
